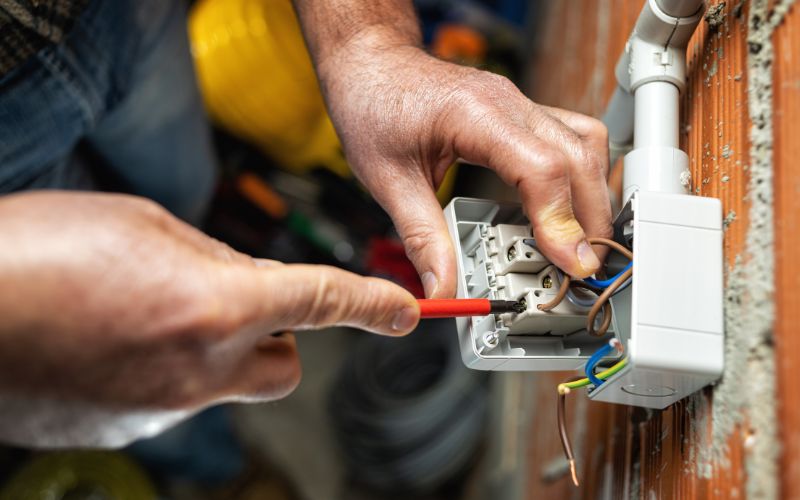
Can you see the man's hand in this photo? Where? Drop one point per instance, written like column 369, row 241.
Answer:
column 110, row 301
column 404, row 117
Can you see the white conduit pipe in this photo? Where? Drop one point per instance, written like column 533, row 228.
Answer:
column 656, row 115
column 644, row 109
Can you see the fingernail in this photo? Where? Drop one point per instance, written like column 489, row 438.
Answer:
column 587, row 257
column 405, row 320
column 429, row 283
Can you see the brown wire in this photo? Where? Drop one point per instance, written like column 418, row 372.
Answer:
column 562, row 430
column 606, row 324
column 601, row 303
column 607, row 312
column 562, row 292
column 612, row 244
column 602, row 300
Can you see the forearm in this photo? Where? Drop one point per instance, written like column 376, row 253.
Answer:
column 333, row 26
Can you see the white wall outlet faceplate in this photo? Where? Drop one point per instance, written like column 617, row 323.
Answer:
column 669, row 320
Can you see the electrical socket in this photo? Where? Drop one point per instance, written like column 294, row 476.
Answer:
column 669, row 319
column 497, row 260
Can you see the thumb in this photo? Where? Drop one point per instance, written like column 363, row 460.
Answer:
column 540, row 172
column 305, row 297
column 419, row 220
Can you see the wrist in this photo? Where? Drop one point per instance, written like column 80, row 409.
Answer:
column 366, row 47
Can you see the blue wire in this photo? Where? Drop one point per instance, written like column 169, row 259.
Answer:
column 606, row 283
column 596, row 357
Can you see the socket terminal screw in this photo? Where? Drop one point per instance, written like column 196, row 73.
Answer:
column 512, row 252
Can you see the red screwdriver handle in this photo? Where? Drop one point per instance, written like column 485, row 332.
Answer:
column 450, row 308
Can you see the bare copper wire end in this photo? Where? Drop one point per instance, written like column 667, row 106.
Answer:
column 573, row 472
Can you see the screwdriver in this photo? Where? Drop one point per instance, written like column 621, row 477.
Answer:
column 451, row 308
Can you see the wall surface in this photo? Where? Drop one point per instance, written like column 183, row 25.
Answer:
column 740, row 113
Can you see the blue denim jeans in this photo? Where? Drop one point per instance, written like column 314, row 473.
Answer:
column 122, row 82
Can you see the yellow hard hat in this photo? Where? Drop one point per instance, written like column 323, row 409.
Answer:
column 258, row 82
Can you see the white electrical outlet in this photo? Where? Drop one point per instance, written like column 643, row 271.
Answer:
column 495, row 262
column 669, row 320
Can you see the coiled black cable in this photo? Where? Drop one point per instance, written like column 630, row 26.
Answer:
column 408, row 414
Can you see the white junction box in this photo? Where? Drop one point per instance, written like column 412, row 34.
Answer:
column 669, row 319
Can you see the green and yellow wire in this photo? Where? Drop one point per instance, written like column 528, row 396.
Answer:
column 565, row 387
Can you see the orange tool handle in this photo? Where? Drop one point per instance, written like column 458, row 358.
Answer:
column 450, row 308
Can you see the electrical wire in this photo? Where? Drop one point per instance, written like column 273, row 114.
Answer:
column 606, row 323
column 603, row 299
column 601, row 303
column 608, row 312
column 623, row 287
column 607, row 282
column 564, row 435
column 564, row 288
column 565, row 388
column 601, row 353
column 604, row 289
column 613, row 245
column 587, row 303
column 583, row 381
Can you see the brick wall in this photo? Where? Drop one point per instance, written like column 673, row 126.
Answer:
column 741, row 129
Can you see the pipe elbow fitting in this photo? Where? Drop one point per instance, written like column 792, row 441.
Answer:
column 656, row 50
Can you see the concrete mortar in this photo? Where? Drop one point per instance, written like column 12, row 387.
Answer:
column 744, row 401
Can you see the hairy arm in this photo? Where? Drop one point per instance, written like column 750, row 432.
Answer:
column 404, row 117
column 329, row 26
